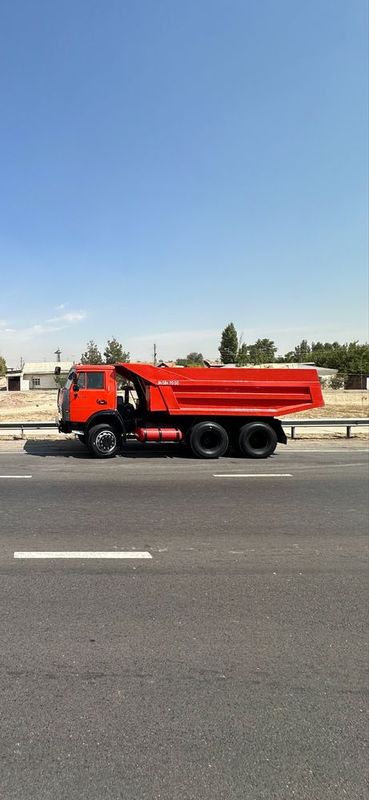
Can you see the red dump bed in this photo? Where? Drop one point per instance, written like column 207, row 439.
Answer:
column 226, row 391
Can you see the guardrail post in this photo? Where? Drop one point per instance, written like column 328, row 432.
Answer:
column 22, row 432
column 348, row 431
column 293, row 428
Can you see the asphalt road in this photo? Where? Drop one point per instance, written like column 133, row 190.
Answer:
column 229, row 664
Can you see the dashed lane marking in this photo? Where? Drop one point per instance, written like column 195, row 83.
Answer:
column 83, row 554
column 16, row 476
column 252, row 475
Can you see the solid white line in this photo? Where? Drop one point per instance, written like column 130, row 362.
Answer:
column 252, row 475
column 15, row 476
column 83, row 554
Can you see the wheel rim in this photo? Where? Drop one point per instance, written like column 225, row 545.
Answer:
column 259, row 440
column 209, row 440
column 106, row 442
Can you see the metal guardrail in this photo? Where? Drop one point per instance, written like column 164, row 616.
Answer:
column 287, row 423
column 31, row 426
column 325, row 423
column 27, row 426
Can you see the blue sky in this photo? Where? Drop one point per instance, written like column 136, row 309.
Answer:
column 169, row 166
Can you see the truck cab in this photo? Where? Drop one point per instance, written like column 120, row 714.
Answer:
column 88, row 390
column 89, row 398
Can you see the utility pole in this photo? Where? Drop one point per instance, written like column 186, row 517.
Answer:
column 58, row 354
column 155, row 355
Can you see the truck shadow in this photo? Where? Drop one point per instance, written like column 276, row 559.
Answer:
column 76, row 450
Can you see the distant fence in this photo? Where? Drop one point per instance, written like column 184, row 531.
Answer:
column 287, row 423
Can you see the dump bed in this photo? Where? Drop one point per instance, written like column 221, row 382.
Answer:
column 222, row 391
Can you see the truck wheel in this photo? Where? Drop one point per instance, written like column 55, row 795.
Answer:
column 208, row 440
column 257, row 440
column 103, row 441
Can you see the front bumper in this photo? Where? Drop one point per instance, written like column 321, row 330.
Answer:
column 65, row 426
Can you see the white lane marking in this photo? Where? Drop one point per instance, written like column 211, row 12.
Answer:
column 252, row 475
column 82, row 554
column 15, row 476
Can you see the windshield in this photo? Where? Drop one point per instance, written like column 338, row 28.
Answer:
column 70, row 380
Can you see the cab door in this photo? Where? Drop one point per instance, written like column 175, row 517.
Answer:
column 89, row 395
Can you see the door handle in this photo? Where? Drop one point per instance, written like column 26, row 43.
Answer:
column 102, row 402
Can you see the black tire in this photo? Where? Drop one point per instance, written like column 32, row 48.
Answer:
column 103, row 441
column 257, row 440
column 208, row 440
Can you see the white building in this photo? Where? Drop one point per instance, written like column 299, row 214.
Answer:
column 36, row 375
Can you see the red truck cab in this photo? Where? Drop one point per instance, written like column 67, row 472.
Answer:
column 89, row 390
column 207, row 408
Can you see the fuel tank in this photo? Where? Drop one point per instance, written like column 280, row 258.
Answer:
column 158, row 434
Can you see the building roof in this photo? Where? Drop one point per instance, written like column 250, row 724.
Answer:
column 45, row 367
column 322, row 371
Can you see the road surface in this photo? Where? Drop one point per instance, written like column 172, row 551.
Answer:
column 229, row 662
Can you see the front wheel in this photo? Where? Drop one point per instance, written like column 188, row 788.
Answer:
column 257, row 440
column 103, row 441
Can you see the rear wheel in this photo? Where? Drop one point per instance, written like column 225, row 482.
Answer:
column 103, row 441
column 208, row 440
column 257, row 440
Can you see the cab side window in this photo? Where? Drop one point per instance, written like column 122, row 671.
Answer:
column 95, row 380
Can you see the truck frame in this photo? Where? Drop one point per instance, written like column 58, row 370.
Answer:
column 208, row 409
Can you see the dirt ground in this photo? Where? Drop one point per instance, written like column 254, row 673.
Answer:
column 340, row 403
column 41, row 405
column 32, row 406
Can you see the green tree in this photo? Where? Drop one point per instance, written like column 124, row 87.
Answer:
column 2, row 366
column 243, row 355
column 262, row 352
column 302, row 352
column 338, row 381
column 114, row 352
column 228, row 347
column 192, row 360
column 348, row 358
column 92, row 355
column 195, row 359
column 60, row 380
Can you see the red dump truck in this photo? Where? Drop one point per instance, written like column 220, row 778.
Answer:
column 208, row 409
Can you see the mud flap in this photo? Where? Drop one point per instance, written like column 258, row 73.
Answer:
column 281, row 436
